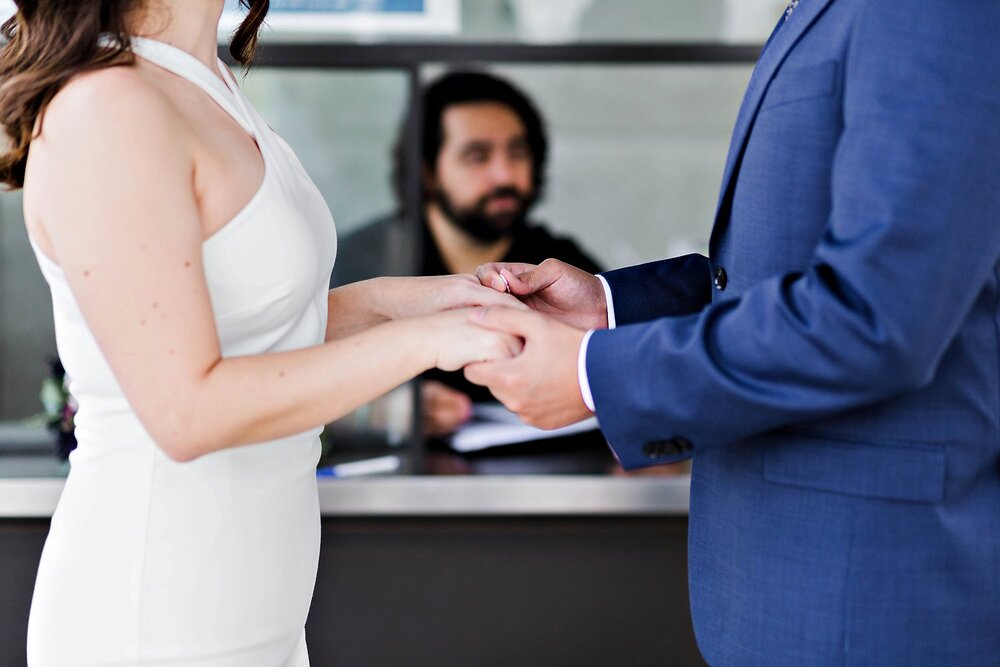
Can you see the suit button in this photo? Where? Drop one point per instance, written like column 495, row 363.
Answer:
column 682, row 445
column 653, row 449
column 720, row 279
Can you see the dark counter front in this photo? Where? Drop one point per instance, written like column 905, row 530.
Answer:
column 502, row 591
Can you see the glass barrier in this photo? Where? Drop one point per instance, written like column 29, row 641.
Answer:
column 638, row 132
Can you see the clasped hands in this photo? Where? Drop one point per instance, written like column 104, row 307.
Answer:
column 540, row 383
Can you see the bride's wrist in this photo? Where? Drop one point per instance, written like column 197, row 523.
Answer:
column 422, row 335
column 394, row 298
column 413, row 296
column 385, row 299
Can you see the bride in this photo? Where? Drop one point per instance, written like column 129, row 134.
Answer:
column 188, row 254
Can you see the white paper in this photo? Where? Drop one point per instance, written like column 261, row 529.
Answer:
column 493, row 425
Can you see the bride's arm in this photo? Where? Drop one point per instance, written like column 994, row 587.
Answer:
column 110, row 194
column 358, row 306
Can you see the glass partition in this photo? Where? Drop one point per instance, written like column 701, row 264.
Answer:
column 639, row 100
column 342, row 125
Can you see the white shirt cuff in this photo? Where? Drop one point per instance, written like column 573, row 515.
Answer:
column 581, row 360
column 607, row 299
column 581, row 371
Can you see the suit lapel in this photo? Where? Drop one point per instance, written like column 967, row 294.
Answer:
column 770, row 59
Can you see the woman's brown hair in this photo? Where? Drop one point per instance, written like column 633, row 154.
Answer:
column 51, row 41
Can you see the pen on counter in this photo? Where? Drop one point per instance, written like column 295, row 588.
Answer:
column 375, row 466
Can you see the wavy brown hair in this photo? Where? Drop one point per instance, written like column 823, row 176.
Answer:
column 48, row 42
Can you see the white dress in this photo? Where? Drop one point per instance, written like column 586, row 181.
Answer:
column 211, row 562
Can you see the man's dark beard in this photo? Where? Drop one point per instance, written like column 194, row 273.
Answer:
column 480, row 225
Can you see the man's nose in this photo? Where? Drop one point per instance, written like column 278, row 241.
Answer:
column 502, row 170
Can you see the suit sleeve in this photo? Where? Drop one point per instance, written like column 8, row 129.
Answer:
column 912, row 239
column 670, row 287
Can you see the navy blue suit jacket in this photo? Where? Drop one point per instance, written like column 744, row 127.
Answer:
column 839, row 383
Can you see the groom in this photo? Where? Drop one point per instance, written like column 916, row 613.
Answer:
column 833, row 365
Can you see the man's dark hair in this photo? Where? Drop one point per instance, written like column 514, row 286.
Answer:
column 466, row 88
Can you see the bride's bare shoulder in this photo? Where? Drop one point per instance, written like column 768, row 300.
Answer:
column 112, row 100
column 105, row 130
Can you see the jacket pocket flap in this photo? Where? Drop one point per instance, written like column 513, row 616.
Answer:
column 911, row 472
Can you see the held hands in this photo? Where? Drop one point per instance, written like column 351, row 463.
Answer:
column 555, row 288
column 540, row 384
column 449, row 299
column 527, row 359
column 457, row 341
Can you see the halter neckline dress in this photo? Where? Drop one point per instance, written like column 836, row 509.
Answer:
column 209, row 563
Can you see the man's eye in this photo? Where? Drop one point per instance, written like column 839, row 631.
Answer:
column 519, row 153
column 476, row 157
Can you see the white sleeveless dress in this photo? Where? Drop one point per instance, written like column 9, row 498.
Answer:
column 211, row 562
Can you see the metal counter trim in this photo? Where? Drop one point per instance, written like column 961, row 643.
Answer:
column 416, row 496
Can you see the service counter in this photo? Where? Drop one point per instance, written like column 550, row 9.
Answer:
column 432, row 496
column 452, row 569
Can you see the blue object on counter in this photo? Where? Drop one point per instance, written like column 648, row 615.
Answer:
column 376, row 466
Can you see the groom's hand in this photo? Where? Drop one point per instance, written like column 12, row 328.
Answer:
column 540, row 384
column 555, row 288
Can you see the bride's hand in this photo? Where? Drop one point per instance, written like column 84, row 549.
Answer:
column 412, row 297
column 459, row 342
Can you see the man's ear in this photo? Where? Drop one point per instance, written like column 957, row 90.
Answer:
column 428, row 181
